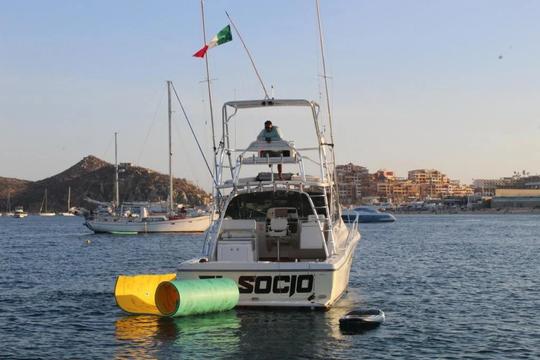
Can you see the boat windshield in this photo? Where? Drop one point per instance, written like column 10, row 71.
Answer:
column 256, row 205
column 366, row 209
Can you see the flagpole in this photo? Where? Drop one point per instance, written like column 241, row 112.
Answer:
column 249, row 55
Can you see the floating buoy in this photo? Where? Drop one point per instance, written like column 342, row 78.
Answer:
column 190, row 297
column 162, row 294
column 361, row 319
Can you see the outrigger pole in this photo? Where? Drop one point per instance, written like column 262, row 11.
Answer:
column 213, row 174
column 321, row 43
column 249, row 55
column 208, row 85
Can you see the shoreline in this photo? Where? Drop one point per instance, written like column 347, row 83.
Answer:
column 512, row 211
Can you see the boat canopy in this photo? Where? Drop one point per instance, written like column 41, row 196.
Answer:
column 247, row 104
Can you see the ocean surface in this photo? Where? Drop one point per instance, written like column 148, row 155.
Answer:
column 452, row 286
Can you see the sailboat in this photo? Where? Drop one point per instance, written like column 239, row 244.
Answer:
column 44, row 202
column 9, row 212
column 133, row 218
column 68, row 213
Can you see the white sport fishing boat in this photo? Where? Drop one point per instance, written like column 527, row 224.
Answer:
column 127, row 219
column 281, row 238
column 20, row 213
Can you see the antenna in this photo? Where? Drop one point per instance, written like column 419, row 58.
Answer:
column 249, row 55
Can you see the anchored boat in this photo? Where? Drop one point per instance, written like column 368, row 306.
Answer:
column 281, row 238
column 44, row 202
column 20, row 213
column 367, row 214
column 136, row 218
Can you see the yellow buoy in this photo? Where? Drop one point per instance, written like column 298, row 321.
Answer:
column 135, row 293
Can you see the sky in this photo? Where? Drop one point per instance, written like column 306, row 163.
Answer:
column 451, row 85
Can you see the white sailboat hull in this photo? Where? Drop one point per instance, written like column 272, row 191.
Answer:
column 281, row 284
column 192, row 224
column 47, row 214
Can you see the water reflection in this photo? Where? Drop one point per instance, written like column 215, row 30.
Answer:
column 146, row 336
column 242, row 333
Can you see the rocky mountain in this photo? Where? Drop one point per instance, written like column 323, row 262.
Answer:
column 94, row 178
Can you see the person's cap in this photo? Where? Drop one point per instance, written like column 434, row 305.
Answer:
column 267, row 122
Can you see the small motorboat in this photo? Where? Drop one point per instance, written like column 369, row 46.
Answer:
column 366, row 214
column 361, row 319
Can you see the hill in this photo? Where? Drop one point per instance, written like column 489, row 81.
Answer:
column 94, row 178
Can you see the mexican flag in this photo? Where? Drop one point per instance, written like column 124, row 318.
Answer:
column 222, row 37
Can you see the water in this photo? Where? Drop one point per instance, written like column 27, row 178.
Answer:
column 456, row 286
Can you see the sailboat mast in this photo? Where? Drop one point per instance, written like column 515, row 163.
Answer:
column 46, row 210
column 116, row 193
column 69, row 198
column 170, row 148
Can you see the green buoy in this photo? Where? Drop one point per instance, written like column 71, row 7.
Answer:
column 189, row 297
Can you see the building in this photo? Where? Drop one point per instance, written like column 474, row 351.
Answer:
column 352, row 179
column 516, row 198
column 487, row 187
column 433, row 184
column 356, row 184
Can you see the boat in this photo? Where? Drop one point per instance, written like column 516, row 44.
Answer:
column 361, row 319
column 19, row 212
column 367, row 214
column 136, row 218
column 281, row 238
column 9, row 212
column 69, row 210
column 44, row 202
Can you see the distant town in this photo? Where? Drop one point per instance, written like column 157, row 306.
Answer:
column 430, row 188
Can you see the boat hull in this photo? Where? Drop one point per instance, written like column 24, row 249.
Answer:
column 274, row 284
column 369, row 218
column 194, row 224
